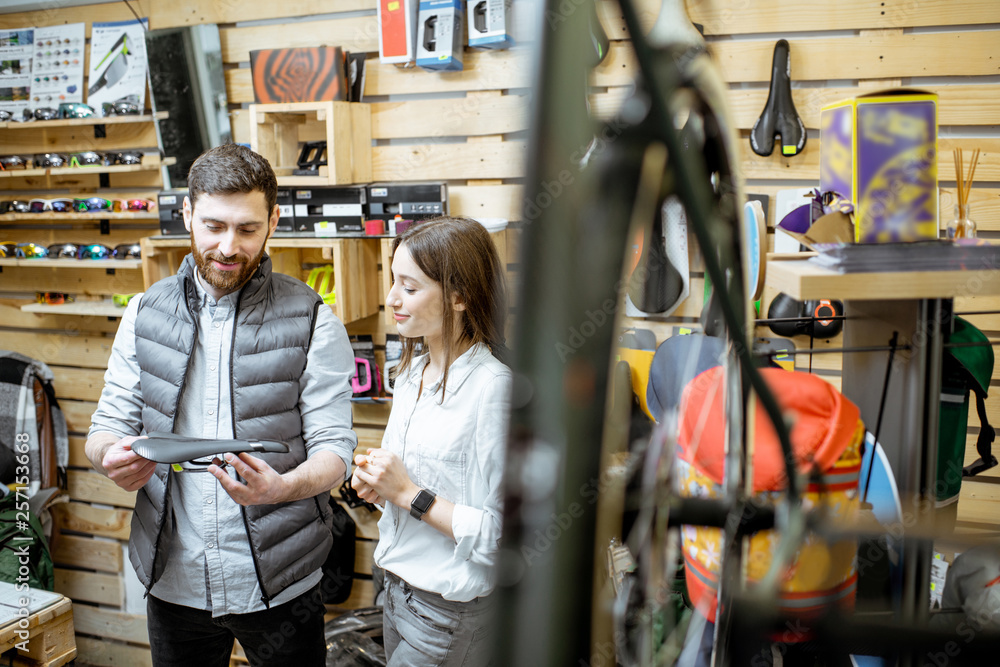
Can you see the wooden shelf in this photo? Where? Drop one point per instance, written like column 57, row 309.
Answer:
column 147, row 165
column 802, row 280
column 74, row 263
column 91, row 120
column 75, row 217
column 354, row 260
column 98, row 308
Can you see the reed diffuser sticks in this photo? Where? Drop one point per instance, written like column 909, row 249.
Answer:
column 964, row 184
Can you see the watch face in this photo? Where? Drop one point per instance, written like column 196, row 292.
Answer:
column 421, row 503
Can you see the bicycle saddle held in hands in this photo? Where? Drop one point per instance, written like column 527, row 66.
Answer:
column 172, row 448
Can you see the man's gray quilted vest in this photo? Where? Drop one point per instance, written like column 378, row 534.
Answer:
column 275, row 317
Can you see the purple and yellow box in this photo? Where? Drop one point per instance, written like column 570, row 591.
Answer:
column 880, row 152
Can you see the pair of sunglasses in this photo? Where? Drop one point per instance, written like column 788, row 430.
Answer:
column 53, row 298
column 92, row 204
column 124, row 106
column 57, row 205
column 94, row 251
column 16, row 206
column 30, row 251
column 63, row 250
column 75, row 110
column 127, row 251
column 123, row 205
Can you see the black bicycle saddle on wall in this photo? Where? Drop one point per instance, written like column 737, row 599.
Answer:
column 779, row 115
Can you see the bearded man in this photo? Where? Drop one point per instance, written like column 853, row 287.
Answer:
column 226, row 349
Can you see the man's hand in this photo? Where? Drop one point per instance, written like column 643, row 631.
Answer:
column 126, row 468
column 261, row 485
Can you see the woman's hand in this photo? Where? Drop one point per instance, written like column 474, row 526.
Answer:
column 383, row 474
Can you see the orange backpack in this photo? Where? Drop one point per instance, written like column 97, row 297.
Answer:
column 827, row 435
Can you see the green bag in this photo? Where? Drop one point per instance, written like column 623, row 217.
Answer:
column 24, row 551
column 967, row 365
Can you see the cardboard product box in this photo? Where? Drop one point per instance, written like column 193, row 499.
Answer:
column 341, row 207
column 880, row 152
column 397, row 31
column 489, row 24
column 312, row 74
column 412, row 201
column 170, row 204
column 439, row 34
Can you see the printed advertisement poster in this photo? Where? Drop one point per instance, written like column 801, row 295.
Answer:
column 57, row 66
column 117, row 63
column 16, row 49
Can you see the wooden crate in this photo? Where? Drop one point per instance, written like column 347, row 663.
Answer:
column 278, row 131
column 51, row 640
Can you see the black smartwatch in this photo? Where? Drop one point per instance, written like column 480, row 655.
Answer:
column 421, row 503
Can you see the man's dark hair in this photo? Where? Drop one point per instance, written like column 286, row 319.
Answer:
column 232, row 169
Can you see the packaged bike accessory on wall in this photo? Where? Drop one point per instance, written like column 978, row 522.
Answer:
column 310, row 74
column 439, row 35
column 779, row 115
column 393, row 351
column 397, row 31
column 489, row 23
column 366, row 381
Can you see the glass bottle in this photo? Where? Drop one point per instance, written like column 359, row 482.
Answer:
column 962, row 227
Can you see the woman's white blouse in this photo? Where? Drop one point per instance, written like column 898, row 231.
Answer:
column 455, row 448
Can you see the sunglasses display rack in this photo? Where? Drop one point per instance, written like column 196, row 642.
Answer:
column 85, row 182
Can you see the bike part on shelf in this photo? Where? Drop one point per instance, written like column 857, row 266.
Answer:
column 171, row 448
column 13, row 162
column 52, row 298
column 779, row 115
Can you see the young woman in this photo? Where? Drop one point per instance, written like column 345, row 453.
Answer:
column 439, row 469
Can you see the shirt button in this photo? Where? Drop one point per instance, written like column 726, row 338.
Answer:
column 217, row 325
column 209, row 545
column 212, row 367
column 211, row 412
column 208, row 501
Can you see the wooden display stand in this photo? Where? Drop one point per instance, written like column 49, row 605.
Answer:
column 51, row 640
column 354, row 260
column 277, row 131
column 913, row 305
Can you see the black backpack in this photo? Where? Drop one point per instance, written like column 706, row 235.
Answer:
column 338, row 570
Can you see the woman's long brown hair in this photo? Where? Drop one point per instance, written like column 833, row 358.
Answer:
column 459, row 255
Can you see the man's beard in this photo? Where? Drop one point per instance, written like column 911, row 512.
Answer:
column 227, row 281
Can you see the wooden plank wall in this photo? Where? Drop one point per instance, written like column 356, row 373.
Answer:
column 469, row 128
